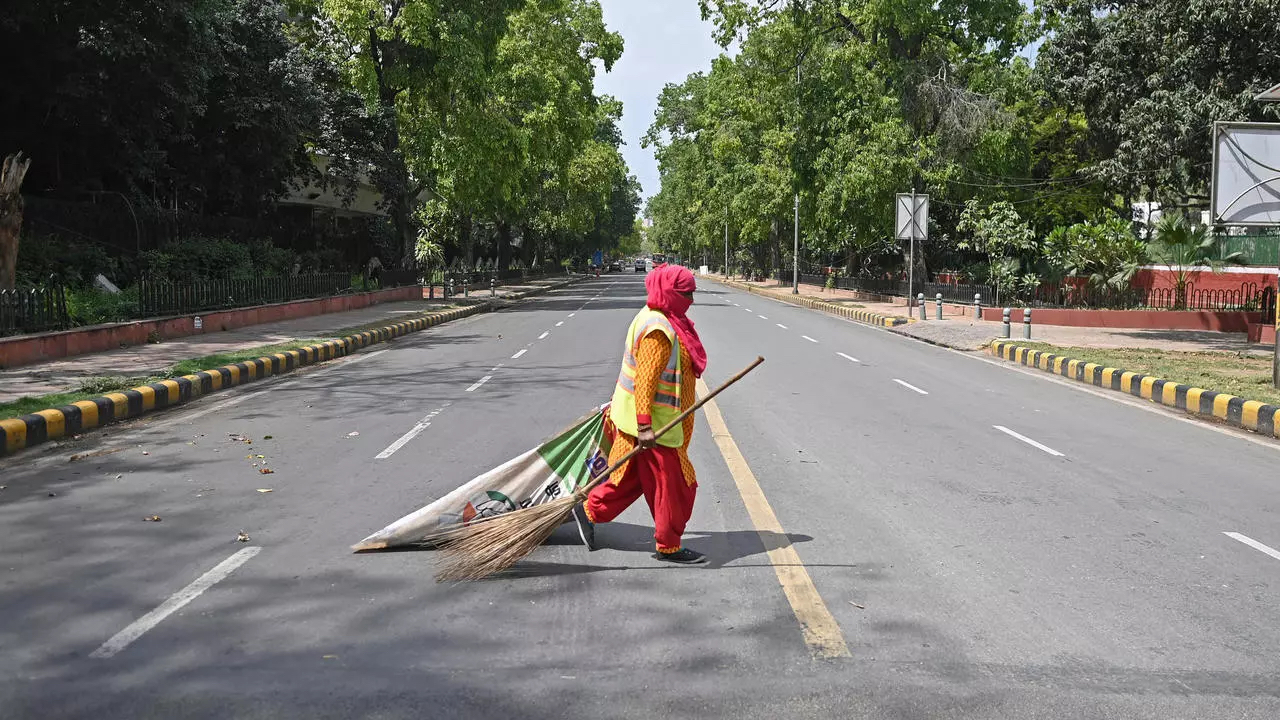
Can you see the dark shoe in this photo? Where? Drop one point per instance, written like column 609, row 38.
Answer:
column 683, row 556
column 586, row 528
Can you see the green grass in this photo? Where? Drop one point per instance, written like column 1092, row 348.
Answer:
column 1225, row 372
column 194, row 365
column 94, row 387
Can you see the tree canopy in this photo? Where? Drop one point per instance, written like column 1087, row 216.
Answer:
column 847, row 102
column 476, row 120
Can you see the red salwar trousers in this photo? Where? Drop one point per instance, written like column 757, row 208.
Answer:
column 656, row 474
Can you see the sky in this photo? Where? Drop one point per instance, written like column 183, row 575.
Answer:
column 665, row 40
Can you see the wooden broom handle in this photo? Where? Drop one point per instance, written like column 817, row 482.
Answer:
column 667, row 428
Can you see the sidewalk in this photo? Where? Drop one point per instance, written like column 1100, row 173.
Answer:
column 959, row 330
column 143, row 360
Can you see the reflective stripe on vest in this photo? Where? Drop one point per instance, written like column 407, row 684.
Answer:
column 666, row 399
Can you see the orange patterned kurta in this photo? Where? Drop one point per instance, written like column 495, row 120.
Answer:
column 651, row 359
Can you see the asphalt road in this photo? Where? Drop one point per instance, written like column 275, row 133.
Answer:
column 991, row 543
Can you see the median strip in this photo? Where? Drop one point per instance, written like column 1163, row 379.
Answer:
column 1252, row 415
column 52, row 423
column 862, row 316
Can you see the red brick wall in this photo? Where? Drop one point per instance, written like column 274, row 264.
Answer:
column 1205, row 280
column 1224, row 321
column 28, row 349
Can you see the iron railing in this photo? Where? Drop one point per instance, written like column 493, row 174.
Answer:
column 33, row 310
column 1249, row 297
column 157, row 298
column 397, row 278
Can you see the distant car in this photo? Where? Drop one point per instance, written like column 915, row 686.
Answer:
column 640, row 265
column 615, row 266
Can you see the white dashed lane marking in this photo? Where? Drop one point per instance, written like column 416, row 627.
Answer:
column 1028, row 441
column 414, row 431
column 909, row 386
column 479, row 382
column 1254, row 544
column 176, row 602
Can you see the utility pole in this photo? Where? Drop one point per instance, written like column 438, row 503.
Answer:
column 726, row 248
column 795, row 253
column 911, row 262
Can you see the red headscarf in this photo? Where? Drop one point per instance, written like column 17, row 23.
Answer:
column 664, row 285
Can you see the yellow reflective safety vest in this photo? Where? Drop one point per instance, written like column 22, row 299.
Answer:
column 666, row 397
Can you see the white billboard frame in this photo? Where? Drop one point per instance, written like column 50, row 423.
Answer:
column 1243, row 174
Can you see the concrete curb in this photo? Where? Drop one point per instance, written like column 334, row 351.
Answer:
column 1247, row 414
column 862, row 316
column 23, row 432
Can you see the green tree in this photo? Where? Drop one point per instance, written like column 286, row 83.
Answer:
column 412, row 61
column 1151, row 76
column 203, row 105
column 999, row 232
column 1107, row 251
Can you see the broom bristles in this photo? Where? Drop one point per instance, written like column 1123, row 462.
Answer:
column 487, row 547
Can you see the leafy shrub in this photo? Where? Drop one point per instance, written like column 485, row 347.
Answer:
column 91, row 306
column 69, row 261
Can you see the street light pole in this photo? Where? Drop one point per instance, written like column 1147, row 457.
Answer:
column 795, row 253
column 726, row 248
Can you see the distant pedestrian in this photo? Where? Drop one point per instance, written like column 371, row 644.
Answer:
column 662, row 360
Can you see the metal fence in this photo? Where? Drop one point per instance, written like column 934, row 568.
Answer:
column 33, row 310
column 397, row 278
column 157, row 298
column 1249, row 297
column 1253, row 249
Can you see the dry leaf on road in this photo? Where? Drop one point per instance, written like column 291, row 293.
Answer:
column 266, row 471
column 152, row 518
column 265, row 490
column 242, row 537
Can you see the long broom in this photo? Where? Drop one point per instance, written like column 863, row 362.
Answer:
column 488, row 546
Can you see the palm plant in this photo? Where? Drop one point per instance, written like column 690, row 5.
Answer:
column 429, row 255
column 1184, row 249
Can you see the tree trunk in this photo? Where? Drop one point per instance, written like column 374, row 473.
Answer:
column 526, row 248
column 394, row 177
column 466, row 243
column 921, row 271
column 11, row 207
column 775, row 247
column 504, row 244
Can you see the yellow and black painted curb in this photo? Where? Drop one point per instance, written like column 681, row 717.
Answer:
column 1248, row 414
column 53, row 423
column 862, row 316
